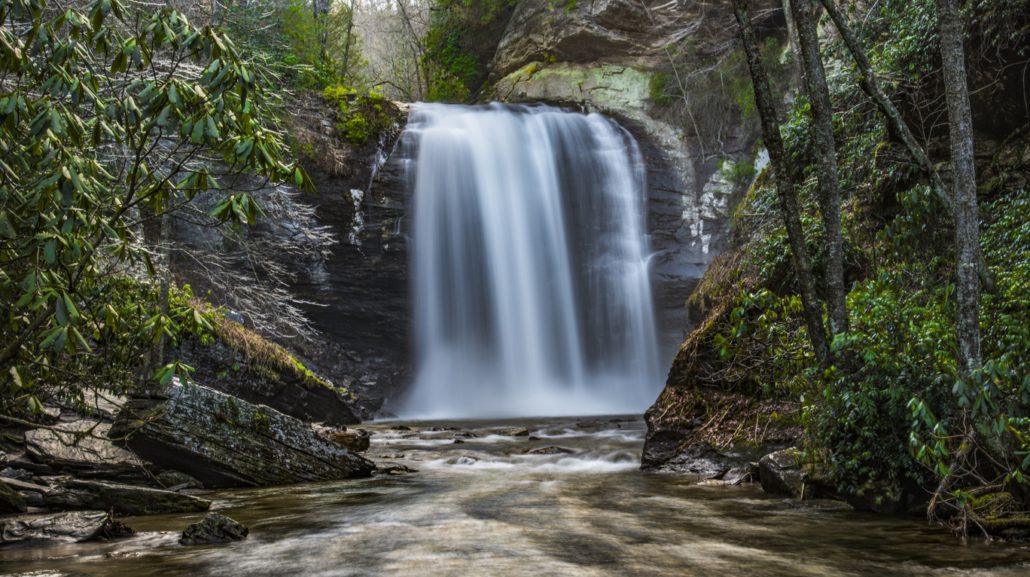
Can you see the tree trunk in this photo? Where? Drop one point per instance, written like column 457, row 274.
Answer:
column 967, row 220
column 321, row 11
column 417, row 53
column 164, row 246
column 826, row 162
column 784, row 184
column 899, row 127
column 348, row 37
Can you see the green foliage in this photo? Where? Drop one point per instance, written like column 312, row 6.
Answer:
column 760, row 342
column 659, row 88
column 566, row 6
column 301, row 49
column 892, row 413
column 998, row 398
column 459, row 45
column 739, row 174
column 362, row 115
column 102, row 129
column 902, row 342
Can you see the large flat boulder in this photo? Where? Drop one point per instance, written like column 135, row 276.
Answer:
column 83, row 448
column 69, row 527
column 227, row 442
column 242, row 364
column 121, row 499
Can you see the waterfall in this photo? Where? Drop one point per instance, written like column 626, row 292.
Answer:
column 531, row 290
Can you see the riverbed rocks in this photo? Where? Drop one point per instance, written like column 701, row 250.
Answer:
column 792, row 473
column 121, row 499
column 549, row 450
column 780, row 472
column 10, row 500
column 227, row 442
column 68, row 527
column 83, row 448
column 31, row 493
column 212, row 529
column 394, row 469
column 355, row 440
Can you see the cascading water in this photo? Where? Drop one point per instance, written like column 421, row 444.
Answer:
column 531, row 288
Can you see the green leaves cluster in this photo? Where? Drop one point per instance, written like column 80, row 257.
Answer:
column 892, row 416
column 362, row 116
column 459, row 45
column 110, row 118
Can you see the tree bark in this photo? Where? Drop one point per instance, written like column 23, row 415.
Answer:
column 785, row 188
column 826, row 162
column 417, row 52
column 348, row 38
column 967, row 219
column 870, row 85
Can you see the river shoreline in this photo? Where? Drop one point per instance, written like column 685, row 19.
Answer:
column 524, row 497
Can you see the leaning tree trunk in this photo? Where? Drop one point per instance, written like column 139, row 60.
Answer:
column 826, row 162
column 967, row 223
column 870, row 85
column 784, row 184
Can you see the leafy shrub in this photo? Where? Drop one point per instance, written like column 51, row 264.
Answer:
column 362, row 116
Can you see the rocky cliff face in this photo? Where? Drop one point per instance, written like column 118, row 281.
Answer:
column 359, row 295
column 606, row 56
column 613, row 56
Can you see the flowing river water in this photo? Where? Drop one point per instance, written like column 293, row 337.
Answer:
column 485, row 506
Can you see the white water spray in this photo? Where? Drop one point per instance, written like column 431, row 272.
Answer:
column 531, row 288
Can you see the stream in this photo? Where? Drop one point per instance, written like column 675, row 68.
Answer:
column 487, row 507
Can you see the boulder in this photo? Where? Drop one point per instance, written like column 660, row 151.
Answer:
column 787, row 472
column 225, row 442
column 82, row 448
column 70, row 527
column 213, row 528
column 549, row 450
column 780, row 472
column 237, row 371
column 177, row 480
column 356, row 440
column 121, row 499
column 10, row 500
column 702, row 460
column 394, row 469
column 516, row 432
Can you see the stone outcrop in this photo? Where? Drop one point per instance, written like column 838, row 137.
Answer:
column 226, row 442
column 356, row 440
column 72, row 527
column 781, row 473
column 237, row 371
column 608, row 56
column 121, row 499
column 626, row 31
column 212, row 529
column 361, row 290
column 82, row 448
column 10, row 500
